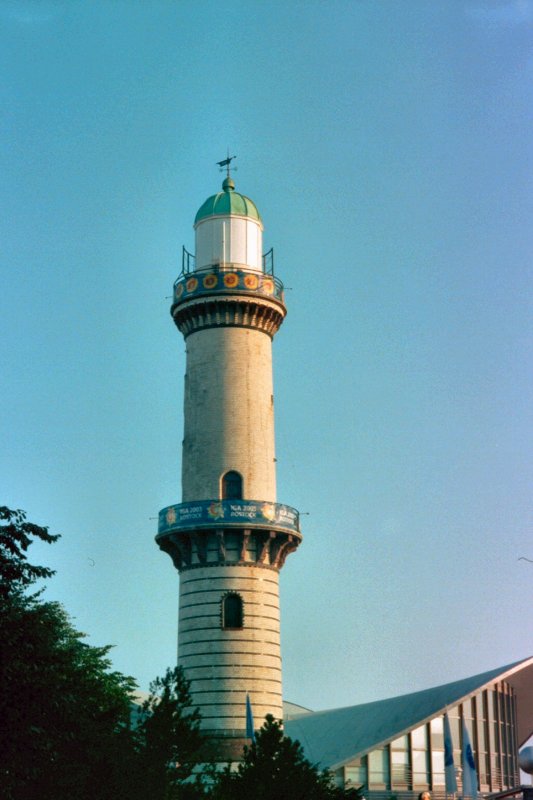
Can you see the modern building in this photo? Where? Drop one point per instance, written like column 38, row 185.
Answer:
column 229, row 537
column 396, row 746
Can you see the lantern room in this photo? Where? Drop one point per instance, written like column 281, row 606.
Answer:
column 229, row 231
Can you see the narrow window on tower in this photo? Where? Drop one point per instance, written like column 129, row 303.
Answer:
column 231, row 486
column 232, row 611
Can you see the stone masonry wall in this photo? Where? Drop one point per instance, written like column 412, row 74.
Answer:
column 229, row 413
column 223, row 665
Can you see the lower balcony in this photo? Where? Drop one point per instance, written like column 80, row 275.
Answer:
column 204, row 514
column 208, row 533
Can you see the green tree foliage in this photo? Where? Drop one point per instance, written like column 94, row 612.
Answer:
column 65, row 714
column 168, row 739
column 275, row 768
column 16, row 535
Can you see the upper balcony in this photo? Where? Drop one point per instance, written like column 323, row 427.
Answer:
column 227, row 279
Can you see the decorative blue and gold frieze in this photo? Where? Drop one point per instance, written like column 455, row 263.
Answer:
column 227, row 281
column 205, row 514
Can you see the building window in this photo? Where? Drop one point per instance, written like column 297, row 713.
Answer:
column 400, row 772
column 355, row 772
column 437, row 767
column 420, row 757
column 378, row 769
column 232, row 611
column 437, row 733
column 421, row 768
column 232, row 486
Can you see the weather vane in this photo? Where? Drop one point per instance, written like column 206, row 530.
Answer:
column 226, row 162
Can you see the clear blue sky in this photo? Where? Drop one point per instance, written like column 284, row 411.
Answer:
column 389, row 148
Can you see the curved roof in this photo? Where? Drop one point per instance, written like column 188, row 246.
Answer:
column 228, row 202
column 332, row 738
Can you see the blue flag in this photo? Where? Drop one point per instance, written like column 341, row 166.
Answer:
column 449, row 766
column 469, row 767
column 250, row 733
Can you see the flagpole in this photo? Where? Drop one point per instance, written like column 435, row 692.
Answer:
column 450, row 780
column 445, row 781
column 469, row 766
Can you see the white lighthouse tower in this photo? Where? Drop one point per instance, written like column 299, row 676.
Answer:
column 229, row 536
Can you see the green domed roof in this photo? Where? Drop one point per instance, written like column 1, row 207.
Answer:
column 226, row 202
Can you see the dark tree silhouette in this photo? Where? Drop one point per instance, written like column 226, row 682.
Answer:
column 275, row 768
column 65, row 713
column 168, row 739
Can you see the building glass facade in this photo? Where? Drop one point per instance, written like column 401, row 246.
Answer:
column 414, row 762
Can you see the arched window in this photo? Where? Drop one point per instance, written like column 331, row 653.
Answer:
column 232, row 611
column 232, row 486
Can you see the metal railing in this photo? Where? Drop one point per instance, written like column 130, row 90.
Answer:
column 268, row 262
column 188, row 262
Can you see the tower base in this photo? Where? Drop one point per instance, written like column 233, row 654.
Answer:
column 220, row 749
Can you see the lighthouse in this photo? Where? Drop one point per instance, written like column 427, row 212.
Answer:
column 229, row 537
